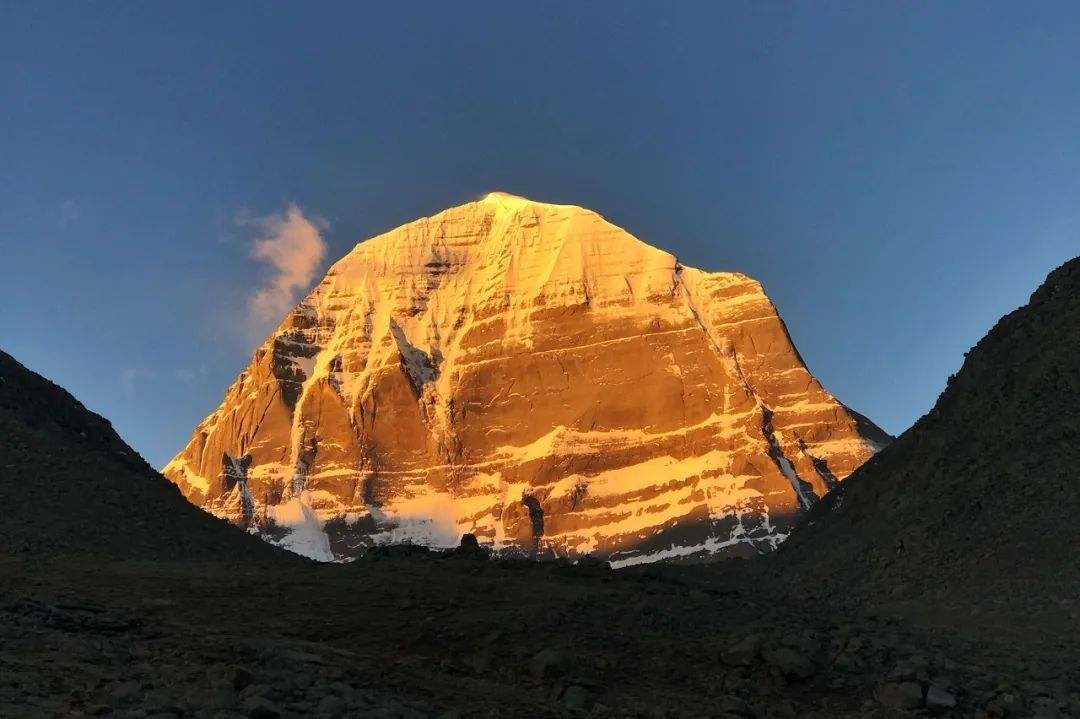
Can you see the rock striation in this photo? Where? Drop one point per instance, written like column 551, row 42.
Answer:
column 533, row 375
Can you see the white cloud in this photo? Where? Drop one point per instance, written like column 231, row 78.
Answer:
column 293, row 247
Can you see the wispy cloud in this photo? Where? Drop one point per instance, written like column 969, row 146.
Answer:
column 134, row 380
column 189, row 375
column 293, row 247
column 131, row 377
column 69, row 212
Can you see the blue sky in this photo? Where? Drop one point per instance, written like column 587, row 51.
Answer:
column 897, row 175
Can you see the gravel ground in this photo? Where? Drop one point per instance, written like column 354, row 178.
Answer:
column 425, row 635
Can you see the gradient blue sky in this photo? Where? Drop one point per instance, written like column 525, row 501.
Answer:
column 897, row 175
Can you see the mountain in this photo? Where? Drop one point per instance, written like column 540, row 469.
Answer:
column 979, row 499
column 70, row 485
column 534, row 375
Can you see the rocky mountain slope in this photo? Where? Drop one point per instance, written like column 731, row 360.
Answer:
column 69, row 484
column 534, row 375
column 981, row 496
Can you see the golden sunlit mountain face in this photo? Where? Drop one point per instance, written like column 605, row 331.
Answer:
column 534, row 375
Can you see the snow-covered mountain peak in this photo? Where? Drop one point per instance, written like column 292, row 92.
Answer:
column 535, row 375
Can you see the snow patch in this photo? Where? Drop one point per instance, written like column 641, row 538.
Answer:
column 427, row 519
column 305, row 536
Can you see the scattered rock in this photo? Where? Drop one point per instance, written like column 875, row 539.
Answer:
column 254, row 690
column 1006, row 704
column 576, row 697
column 240, row 678
column 291, row 657
column 220, row 696
column 939, row 699
column 589, row 564
column 469, row 544
column 480, row 662
column 803, row 642
column 742, row 654
column 258, row 707
column 911, row 669
column 548, row 664
column 733, row 705
column 791, row 663
column 331, row 705
column 126, row 691
column 158, row 603
column 165, row 709
column 902, row 695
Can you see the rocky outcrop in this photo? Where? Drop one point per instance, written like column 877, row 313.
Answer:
column 536, row 376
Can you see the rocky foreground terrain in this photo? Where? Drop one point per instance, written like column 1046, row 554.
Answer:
column 940, row 582
column 417, row 635
column 532, row 374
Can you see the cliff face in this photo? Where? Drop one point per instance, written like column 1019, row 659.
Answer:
column 535, row 375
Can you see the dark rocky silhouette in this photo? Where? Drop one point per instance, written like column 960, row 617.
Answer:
column 979, row 499
column 69, row 484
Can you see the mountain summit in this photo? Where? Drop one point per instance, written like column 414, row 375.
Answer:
column 532, row 374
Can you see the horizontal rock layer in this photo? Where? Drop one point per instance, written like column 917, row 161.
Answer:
column 534, row 375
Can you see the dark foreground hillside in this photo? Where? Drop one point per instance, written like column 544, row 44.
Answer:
column 940, row 582
column 979, row 501
column 69, row 484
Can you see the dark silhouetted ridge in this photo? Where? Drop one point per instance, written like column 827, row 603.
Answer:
column 70, row 485
column 982, row 493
